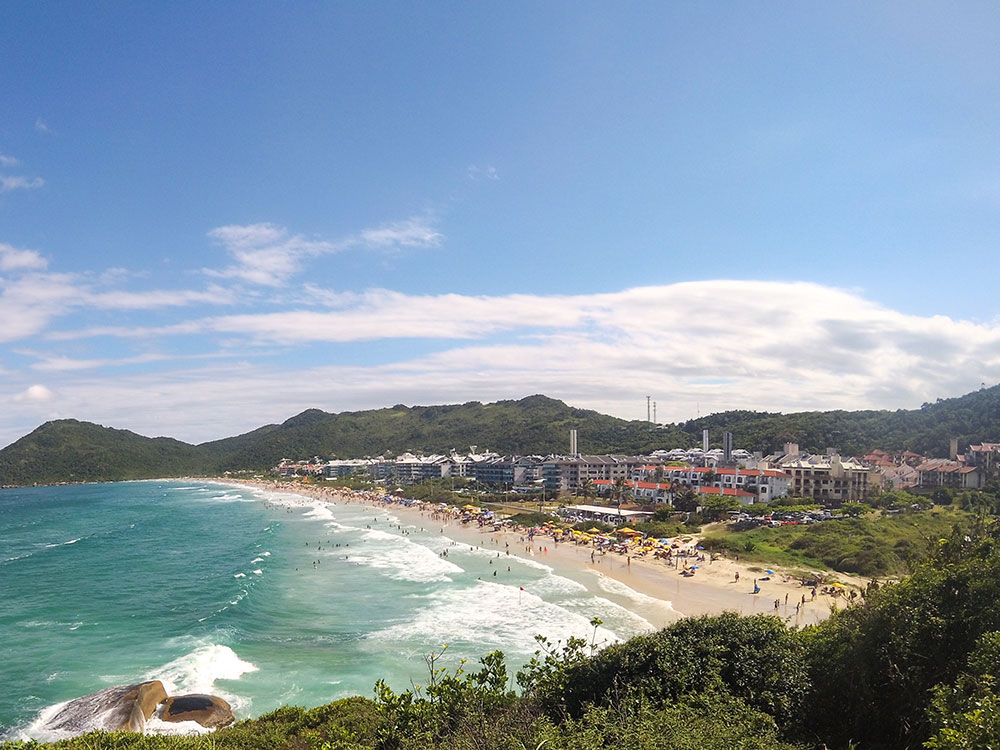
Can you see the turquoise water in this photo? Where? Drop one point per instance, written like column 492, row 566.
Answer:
column 263, row 598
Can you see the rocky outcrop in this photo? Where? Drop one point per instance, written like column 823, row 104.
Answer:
column 118, row 707
column 207, row 710
column 148, row 697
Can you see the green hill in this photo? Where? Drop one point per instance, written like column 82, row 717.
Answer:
column 67, row 450
column 535, row 424
column 972, row 418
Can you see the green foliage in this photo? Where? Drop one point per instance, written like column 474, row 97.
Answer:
column 755, row 659
column 966, row 715
column 664, row 529
column 425, row 716
column 713, row 721
column 881, row 663
column 871, row 546
column 70, row 451
column 349, row 724
column 532, row 519
column 972, row 418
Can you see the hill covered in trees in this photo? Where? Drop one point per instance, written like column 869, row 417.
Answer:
column 69, row 450
column 972, row 418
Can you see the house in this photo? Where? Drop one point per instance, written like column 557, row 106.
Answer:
column 827, row 478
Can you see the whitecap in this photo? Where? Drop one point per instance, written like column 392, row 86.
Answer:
column 617, row 588
column 63, row 544
column 199, row 670
column 490, row 615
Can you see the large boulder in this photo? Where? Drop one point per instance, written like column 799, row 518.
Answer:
column 207, row 710
column 117, row 707
column 148, row 697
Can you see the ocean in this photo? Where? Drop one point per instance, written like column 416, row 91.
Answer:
column 261, row 597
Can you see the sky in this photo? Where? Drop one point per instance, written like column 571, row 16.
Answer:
column 215, row 215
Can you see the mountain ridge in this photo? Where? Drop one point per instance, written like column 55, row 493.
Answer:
column 72, row 450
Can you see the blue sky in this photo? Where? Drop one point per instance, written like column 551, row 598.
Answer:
column 215, row 215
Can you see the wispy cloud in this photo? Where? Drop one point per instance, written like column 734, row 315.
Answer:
column 42, row 127
column 8, row 183
column 486, row 172
column 415, row 232
column 270, row 255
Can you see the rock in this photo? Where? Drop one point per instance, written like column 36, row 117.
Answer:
column 207, row 710
column 148, row 697
column 118, row 707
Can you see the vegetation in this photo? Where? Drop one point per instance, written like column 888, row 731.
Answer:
column 972, row 418
column 868, row 546
column 72, row 451
column 68, row 450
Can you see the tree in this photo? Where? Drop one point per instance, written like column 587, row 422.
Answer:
column 881, row 663
column 621, row 491
column 587, row 490
column 687, row 500
column 714, row 506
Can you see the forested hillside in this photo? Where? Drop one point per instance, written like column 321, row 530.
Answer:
column 531, row 425
column 68, row 450
column 972, row 418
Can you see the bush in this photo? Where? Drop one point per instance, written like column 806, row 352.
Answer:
column 756, row 659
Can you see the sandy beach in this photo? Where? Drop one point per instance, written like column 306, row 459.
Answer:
column 653, row 588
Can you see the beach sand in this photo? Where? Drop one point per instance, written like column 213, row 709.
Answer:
column 651, row 588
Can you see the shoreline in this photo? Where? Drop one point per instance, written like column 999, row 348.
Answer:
column 656, row 589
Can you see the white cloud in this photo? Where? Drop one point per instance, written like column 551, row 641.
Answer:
column 19, row 259
column 7, row 161
column 410, row 233
column 8, row 184
column 35, row 394
column 41, row 127
column 269, row 255
column 695, row 347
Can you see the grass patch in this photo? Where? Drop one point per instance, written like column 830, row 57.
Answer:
column 868, row 546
